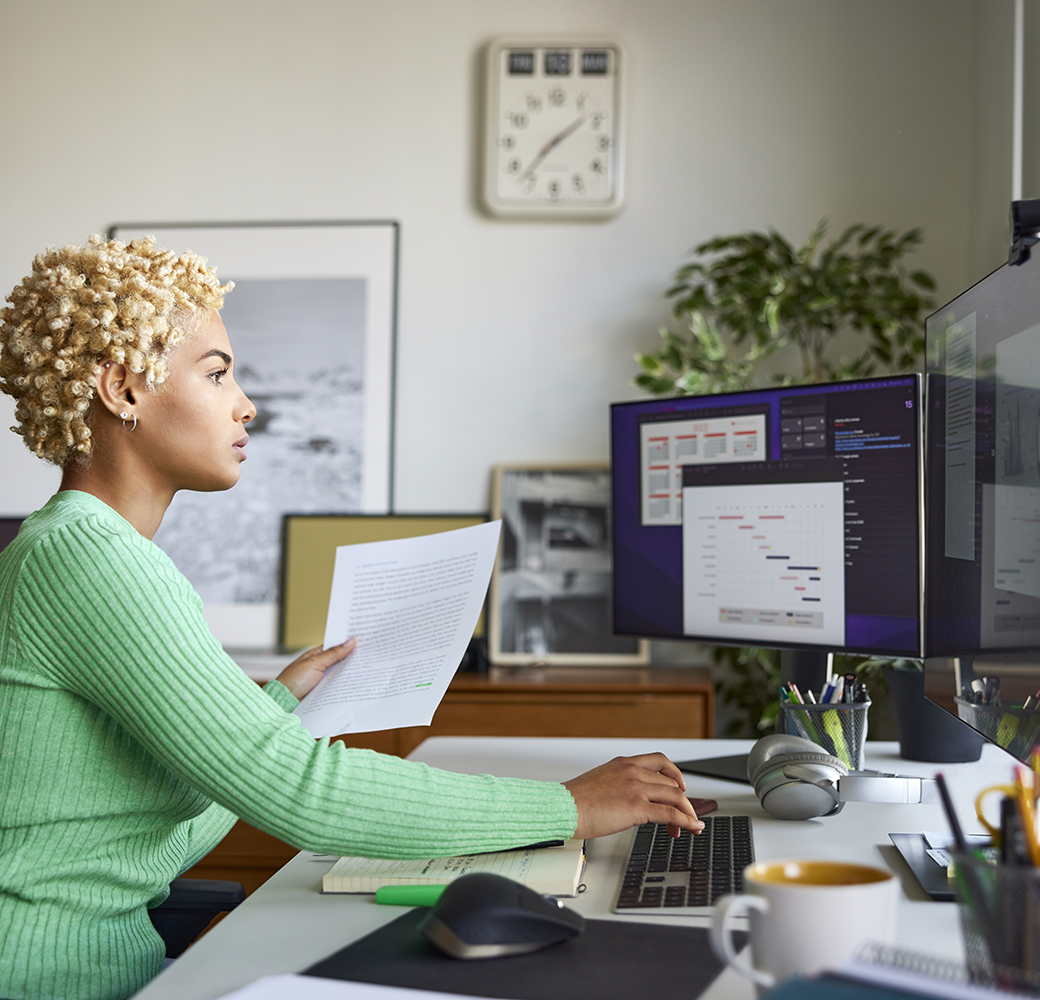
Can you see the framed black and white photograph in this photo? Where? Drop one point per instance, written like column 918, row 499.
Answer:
column 551, row 588
column 311, row 321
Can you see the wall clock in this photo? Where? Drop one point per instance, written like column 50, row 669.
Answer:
column 553, row 138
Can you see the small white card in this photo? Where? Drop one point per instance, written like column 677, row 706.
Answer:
column 313, row 988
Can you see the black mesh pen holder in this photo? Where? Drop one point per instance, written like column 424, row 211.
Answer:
column 840, row 730
column 1000, row 922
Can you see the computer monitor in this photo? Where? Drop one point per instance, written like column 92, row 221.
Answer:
column 787, row 517
column 983, row 487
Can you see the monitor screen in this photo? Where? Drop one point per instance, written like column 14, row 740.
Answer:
column 983, row 567
column 983, row 485
column 785, row 517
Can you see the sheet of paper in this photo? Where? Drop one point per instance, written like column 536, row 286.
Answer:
column 312, row 988
column 412, row 605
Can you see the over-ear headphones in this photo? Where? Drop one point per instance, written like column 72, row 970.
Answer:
column 793, row 778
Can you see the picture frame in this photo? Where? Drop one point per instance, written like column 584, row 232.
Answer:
column 309, row 543
column 551, row 587
column 323, row 436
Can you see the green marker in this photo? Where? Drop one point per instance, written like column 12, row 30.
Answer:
column 409, row 895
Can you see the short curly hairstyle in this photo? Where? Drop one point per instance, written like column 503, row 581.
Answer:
column 83, row 306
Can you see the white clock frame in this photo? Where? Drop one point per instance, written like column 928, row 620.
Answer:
column 586, row 123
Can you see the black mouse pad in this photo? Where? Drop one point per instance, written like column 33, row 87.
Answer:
column 612, row 958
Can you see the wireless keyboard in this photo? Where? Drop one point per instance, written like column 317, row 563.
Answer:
column 684, row 875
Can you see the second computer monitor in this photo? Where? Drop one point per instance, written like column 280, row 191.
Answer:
column 786, row 517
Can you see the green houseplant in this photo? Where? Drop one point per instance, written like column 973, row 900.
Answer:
column 848, row 308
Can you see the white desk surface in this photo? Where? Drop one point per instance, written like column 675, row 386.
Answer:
column 287, row 925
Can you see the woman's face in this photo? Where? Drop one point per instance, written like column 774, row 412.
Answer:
column 193, row 424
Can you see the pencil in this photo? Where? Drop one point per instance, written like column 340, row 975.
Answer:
column 1024, row 798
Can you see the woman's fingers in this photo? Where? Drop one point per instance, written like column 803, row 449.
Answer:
column 308, row 668
column 628, row 791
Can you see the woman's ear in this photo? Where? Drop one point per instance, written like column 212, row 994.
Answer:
column 116, row 387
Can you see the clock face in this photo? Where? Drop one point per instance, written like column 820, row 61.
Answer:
column 553, row 129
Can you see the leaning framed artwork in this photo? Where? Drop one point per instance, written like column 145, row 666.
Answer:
column 312, row 323
column 551, row 589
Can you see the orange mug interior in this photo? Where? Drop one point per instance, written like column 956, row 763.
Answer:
column 814, row 873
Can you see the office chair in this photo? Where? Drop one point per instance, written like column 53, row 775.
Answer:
column 191, row 905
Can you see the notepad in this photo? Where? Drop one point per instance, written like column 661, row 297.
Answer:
column 553, row 870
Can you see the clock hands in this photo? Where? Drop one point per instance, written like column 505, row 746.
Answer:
column 550, row 146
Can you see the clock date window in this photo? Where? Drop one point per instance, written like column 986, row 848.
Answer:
column 595, row 63
column 521, row 63
column 557, row 63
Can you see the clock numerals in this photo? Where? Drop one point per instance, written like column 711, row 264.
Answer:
column 578, row 184
column 596, row 120
column 553, row 188
column 597, row 167
column 534, row 103
column 603, row 143
column 514, row 166
column 557, row 97
column 518, row 119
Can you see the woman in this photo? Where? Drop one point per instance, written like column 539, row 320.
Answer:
column 129, row 741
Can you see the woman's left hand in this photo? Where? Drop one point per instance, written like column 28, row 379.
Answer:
column 307, row 669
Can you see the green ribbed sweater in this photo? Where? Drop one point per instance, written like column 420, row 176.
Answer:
column 129, row 742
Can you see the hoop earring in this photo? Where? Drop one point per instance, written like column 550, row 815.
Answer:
column 124, row 416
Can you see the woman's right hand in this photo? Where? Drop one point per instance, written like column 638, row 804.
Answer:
column 629, row 791
column 308, row 668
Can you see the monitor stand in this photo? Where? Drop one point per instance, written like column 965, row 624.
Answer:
column 809, row 669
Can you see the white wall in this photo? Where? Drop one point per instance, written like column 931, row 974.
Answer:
column 513, row 337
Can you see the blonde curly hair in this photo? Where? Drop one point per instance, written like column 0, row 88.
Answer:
column 83, row 306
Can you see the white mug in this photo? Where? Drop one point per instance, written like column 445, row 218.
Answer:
column 805, row 916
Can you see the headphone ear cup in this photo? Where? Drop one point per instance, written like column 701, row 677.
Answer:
column 771, row 746
column 793, row 797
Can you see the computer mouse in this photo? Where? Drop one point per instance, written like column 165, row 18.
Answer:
column 488, row 916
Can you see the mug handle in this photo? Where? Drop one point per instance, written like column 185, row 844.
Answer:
column 722, row 937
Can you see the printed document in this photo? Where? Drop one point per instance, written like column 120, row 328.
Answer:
column 412, row 605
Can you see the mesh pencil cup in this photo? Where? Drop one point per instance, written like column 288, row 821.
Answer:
column 1000, row 922
column 840, row 730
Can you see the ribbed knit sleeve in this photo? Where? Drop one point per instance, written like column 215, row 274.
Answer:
column 106, row 615
column 130, row 742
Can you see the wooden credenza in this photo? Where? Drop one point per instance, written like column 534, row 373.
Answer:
column 668, row 703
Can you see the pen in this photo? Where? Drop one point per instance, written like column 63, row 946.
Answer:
column 836, row 694
column 1013, row 850
column 966, row 874
column 849, row 693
